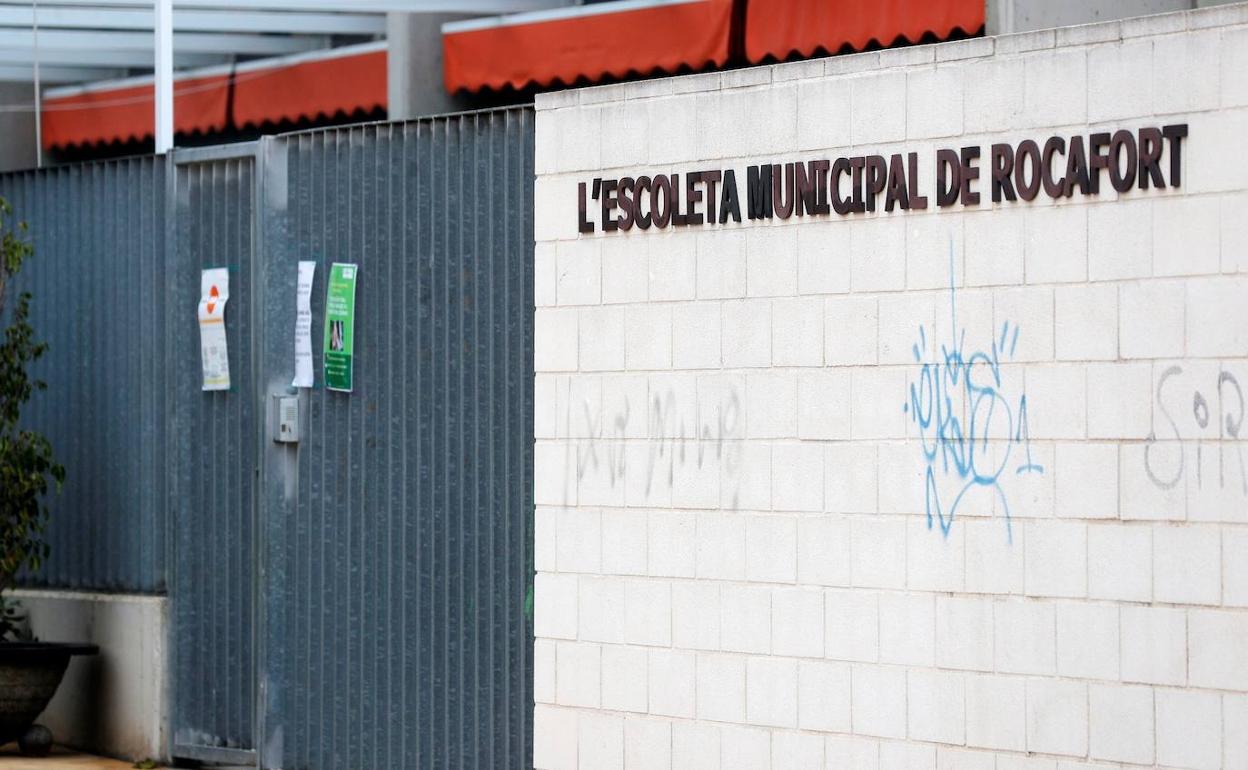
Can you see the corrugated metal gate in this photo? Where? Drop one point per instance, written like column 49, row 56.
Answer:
column 360, row 599
column 400, row 563
column 217, row 460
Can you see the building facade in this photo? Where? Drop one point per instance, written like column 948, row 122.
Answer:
column 954, row 478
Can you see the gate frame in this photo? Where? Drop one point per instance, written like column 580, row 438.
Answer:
column 178, row 158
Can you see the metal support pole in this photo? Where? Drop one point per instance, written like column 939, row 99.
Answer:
column 164, row 75
column 34, row 17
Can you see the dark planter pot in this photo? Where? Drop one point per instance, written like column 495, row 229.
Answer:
column 30, row 672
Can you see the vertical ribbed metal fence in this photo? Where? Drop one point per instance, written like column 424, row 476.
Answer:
column 360, row 599
column 98, row 276
column 399, row 533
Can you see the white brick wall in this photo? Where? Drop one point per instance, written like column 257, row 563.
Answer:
column 735, row 564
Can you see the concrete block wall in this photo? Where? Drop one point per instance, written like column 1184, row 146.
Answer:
column 741, row 559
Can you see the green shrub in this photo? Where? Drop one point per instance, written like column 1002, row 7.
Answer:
column 27, row 465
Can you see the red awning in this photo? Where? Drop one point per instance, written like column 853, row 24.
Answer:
column 126, row 113
column 804, row 28
column 341, row 80
column 323, row 86
column 592, row 42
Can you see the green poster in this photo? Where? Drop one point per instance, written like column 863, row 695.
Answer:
column 340, row 326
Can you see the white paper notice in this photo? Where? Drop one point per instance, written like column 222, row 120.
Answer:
column 303, row 326
column 214, row 291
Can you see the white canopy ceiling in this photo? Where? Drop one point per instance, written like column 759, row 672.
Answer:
column 78, row 41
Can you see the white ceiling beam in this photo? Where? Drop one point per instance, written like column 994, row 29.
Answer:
column 52, row 74
column 270, row 21
column 105, row 59
column 357, row 6
column 187, row 42
column 195, row 21
column 255, row 65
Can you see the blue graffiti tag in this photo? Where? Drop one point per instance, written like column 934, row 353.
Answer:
column 955, row 444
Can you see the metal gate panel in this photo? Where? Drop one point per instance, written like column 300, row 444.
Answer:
column 398, row 558
column 217, row 435
column 98, row 277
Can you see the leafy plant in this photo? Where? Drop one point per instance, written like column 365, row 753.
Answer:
column 27, row 465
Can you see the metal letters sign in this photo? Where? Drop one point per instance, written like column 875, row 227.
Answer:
column 1059, row 168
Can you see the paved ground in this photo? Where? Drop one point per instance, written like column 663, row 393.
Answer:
column 60, row 759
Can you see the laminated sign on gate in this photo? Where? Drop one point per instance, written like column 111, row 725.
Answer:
column 303, row 326
column 340, row 326
column 214, row 291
